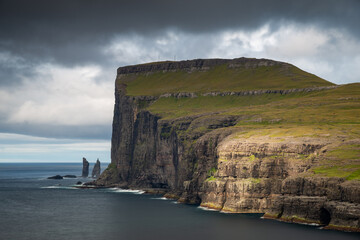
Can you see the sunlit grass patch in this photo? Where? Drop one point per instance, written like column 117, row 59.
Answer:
column 350, row 172
column 347, row 152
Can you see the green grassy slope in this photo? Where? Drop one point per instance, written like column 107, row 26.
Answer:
column 221, row 78
column 331, row 114
column 339, row 105
column 328, row 114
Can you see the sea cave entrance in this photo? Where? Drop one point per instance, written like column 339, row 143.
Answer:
column 325, row 216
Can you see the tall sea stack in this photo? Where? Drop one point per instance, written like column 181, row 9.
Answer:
column 96, row 169
column 85, row 170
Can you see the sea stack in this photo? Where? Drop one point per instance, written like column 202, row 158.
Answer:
column 96, row 169
column 85, row 170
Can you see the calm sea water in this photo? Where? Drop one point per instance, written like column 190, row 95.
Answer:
column 33, row 207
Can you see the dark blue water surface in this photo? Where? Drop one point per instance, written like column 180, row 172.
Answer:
column 33, row 207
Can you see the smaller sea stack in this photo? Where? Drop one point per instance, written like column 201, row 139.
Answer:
column 96, row 169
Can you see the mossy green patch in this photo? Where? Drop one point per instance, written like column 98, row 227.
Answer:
column 211, row 178
column 141, row 104
column 252, row 158
column 212, row 171
column 255, row 180
column 112, row 166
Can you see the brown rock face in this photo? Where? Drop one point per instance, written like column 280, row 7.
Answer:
column 257, row 177
column 199, row 160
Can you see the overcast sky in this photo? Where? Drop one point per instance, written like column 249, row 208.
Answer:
column 58, row 59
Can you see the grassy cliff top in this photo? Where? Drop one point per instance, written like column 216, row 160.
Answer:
column 330, row 115
column 214, row 75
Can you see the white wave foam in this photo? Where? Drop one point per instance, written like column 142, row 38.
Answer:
column 59, row 187
column 161, row 198
column 206, row 209
column 226, row 212
column 120, row 190
column 311, row 224
column 308, row 224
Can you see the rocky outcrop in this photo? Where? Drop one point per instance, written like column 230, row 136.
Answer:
column 57, row 177
column 96, row 170
column 197, row 64
column 61, row 177
column 85, row 168
column 69, row 176
column 246, row 93
column 199, row 160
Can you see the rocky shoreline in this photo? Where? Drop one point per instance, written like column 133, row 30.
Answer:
column 171, row 196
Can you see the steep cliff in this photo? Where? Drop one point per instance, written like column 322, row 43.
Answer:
column 241, row 135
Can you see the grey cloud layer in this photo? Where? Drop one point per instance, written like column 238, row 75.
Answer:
column 59, row 131
column 47, row 46
column 70, row 31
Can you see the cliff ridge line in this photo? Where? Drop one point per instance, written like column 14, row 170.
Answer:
column 235, row 93
column 197, row 64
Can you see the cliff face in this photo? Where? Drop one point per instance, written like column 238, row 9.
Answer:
column 260, row 176
column 202, row 159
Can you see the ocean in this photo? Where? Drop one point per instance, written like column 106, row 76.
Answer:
column 35, row 208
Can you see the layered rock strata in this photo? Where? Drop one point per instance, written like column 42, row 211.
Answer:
column 270, row 177
column 244, row 93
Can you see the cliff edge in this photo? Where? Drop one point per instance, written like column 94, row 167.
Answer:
column 241, row 135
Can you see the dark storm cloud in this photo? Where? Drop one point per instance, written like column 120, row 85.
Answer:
column 46, row 42
column 12, row 69
column 71, row 32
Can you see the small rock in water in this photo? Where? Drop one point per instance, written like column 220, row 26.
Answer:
column 56, row 177
column 69, row 176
